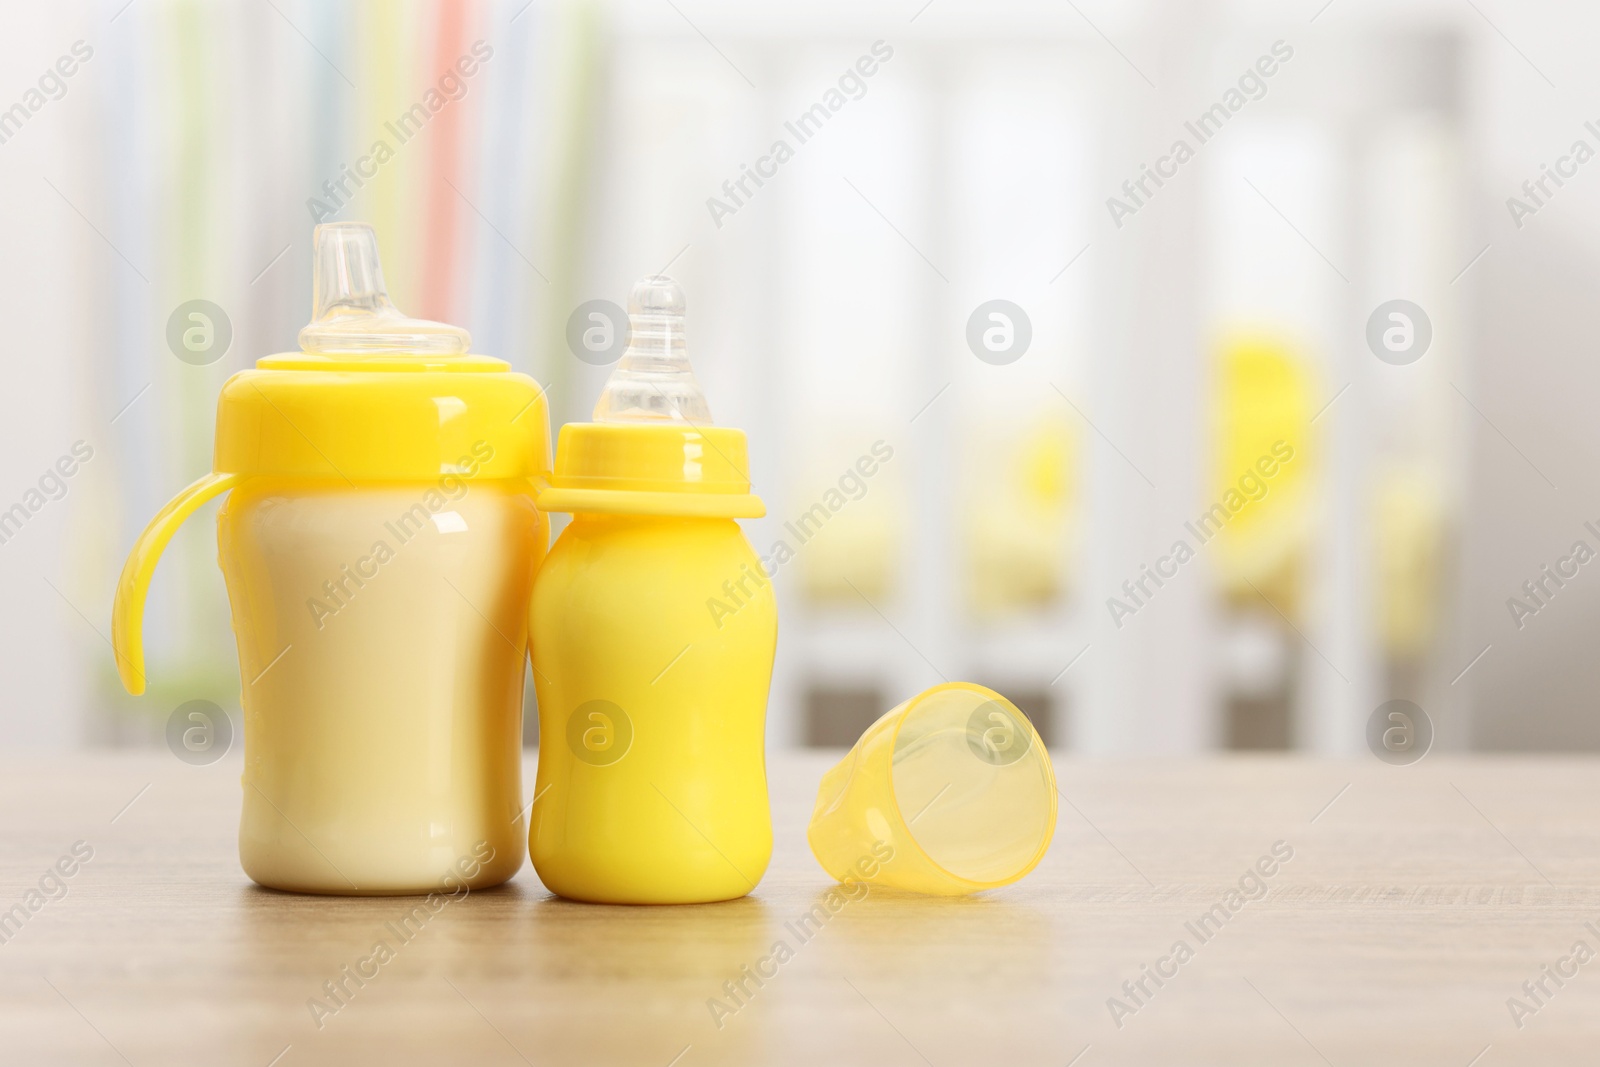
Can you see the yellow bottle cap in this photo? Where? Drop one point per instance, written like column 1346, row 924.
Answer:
column 652, row 449
column 387, row 419
column 375, row 397
column 952, row 792
column 652, row 469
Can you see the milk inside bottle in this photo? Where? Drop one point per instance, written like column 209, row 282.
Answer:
column 379, row 541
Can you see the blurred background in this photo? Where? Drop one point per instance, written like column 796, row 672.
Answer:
column 1198, row 346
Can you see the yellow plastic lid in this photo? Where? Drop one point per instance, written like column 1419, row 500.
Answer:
column 652, row 449
column 381, row 420
column 375, row 396
column 949, row 793
column 652, row 469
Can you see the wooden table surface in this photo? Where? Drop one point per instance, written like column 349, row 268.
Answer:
column 1418, row 900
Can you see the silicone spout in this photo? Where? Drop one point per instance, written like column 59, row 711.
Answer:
column 653, row 381
column 351, row 314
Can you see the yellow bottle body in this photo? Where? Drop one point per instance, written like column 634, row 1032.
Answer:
column 653, row 640
column 381, row 633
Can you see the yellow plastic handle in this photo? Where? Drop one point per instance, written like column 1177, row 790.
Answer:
column 127, row 614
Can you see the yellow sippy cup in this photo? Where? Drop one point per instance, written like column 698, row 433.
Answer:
column 653, row 629
column 379, row 546
column 951, row 792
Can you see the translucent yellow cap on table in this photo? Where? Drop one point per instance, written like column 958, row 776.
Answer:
column 950, row 793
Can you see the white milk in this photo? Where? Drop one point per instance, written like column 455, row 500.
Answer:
column 382, row 633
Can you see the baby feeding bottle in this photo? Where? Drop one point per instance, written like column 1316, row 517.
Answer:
column 379, row 543
column 653, row 628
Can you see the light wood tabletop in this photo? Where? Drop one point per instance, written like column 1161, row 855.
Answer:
column 1417, row 902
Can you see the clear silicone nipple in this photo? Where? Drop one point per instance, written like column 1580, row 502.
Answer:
column 653, row 381
column 350, row 310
